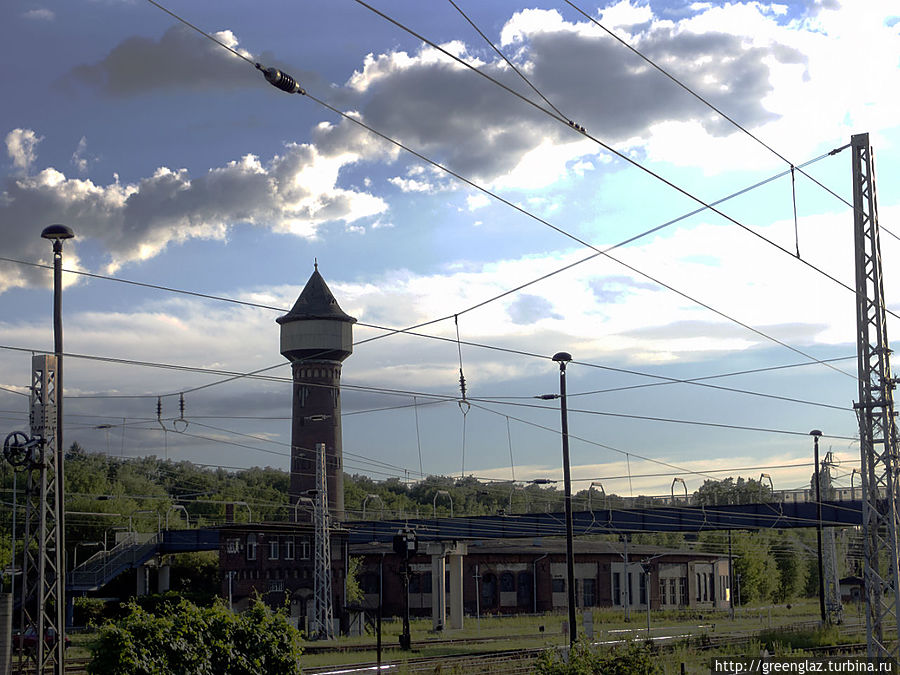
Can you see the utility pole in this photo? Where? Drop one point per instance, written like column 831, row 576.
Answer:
column 405, row 545
column 43, row 574
column 324, row 611
column 875, row 410
column 815, row 433
column 834, row 609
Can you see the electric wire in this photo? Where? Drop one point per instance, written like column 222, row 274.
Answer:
column 622, row 156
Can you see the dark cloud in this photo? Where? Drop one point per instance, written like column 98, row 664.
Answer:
column 180, row 59
column 477, row 128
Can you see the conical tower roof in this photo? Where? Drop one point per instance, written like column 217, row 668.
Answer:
column 316, row 301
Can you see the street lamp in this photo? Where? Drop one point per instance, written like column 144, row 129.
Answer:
column 176, row 507
column 372, row 496
column 434, row 503
column 684, row 485
column 83, row 543
column 590, row 491
column 815, row 433
column 57, row 234
column 249, row 510
column 562, row 358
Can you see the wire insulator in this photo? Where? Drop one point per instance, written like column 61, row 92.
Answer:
column 159, row 408
column 181, row 405
column 281, row 80
column 462, row 384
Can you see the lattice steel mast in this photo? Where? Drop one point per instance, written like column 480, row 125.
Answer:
column 875, row 409
column 324, row 613
column 43, row 590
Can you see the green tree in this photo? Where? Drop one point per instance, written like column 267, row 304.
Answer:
column 731, row 491
column 191, row 640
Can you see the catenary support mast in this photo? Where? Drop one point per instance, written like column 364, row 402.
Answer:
column 875, row 409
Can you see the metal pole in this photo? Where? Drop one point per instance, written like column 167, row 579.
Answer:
column 563, row 358
column 815, row 433
column 647, row 573
column 730, row 578
column 626, row 581
column 380, row 609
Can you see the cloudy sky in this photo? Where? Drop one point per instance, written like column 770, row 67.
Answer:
column 178, row 165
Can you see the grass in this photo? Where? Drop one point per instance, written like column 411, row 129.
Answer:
column 523, row 633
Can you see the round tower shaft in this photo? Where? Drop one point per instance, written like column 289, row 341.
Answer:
column 316, row 336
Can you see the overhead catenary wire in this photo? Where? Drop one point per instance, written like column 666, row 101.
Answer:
column 622, row 156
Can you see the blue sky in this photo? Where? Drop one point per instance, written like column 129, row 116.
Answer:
column 176, row 164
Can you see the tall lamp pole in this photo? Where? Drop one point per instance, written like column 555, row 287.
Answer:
column 562, row 358
column 815, row 433
column 57, row 234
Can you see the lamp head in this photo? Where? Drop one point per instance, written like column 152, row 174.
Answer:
column 57, row 232
column 815, row 432
column 562, row 357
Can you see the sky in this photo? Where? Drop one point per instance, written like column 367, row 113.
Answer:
column 476, row 210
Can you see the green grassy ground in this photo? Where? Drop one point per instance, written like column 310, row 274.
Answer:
column 523, row 632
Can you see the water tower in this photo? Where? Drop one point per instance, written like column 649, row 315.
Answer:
column 316, row 337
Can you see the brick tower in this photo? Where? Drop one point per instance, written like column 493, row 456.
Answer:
column 316, row 337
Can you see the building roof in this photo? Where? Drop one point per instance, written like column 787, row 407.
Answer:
column 316, row 301
column 552, row 545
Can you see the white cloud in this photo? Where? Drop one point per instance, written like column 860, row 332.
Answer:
column 41, row 14
column 294, row 192
column 477, row 201
column 20, row 146
column 79, row 159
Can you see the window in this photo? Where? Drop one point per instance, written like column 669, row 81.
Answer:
column 589, row 598
column 629, row 589
column 559, row 585
column 663, row 598
column 426, row 582
column 673, row 596
column 275, row 586
column 507, row 583
column 288, row 548
column 251, row 547
column 712, row 587
column 415, row 583
column 699, row 588
column 642, row 586
column 304, row 549
column 705, row 588
column 682, row 590
column 273, row 548
column 617, row 588
column 232, row 546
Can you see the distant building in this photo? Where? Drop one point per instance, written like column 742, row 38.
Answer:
column 529, row 575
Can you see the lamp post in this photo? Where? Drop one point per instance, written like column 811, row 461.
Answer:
column 83, row 543
column 249, row 510
column 372, row 496
column 815, row 433
column 602, row 492
column 57, row 234
column 562, row 358
column 434, row 503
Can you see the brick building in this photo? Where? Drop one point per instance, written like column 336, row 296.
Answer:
column 276, row 561
column 529, row 576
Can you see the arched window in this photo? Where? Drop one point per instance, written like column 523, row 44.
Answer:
column 507, row 582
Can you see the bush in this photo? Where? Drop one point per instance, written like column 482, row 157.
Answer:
column 192, row 640
column 633, row 659
column 88, row 611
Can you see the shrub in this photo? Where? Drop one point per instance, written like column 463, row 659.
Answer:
column 192, row 640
